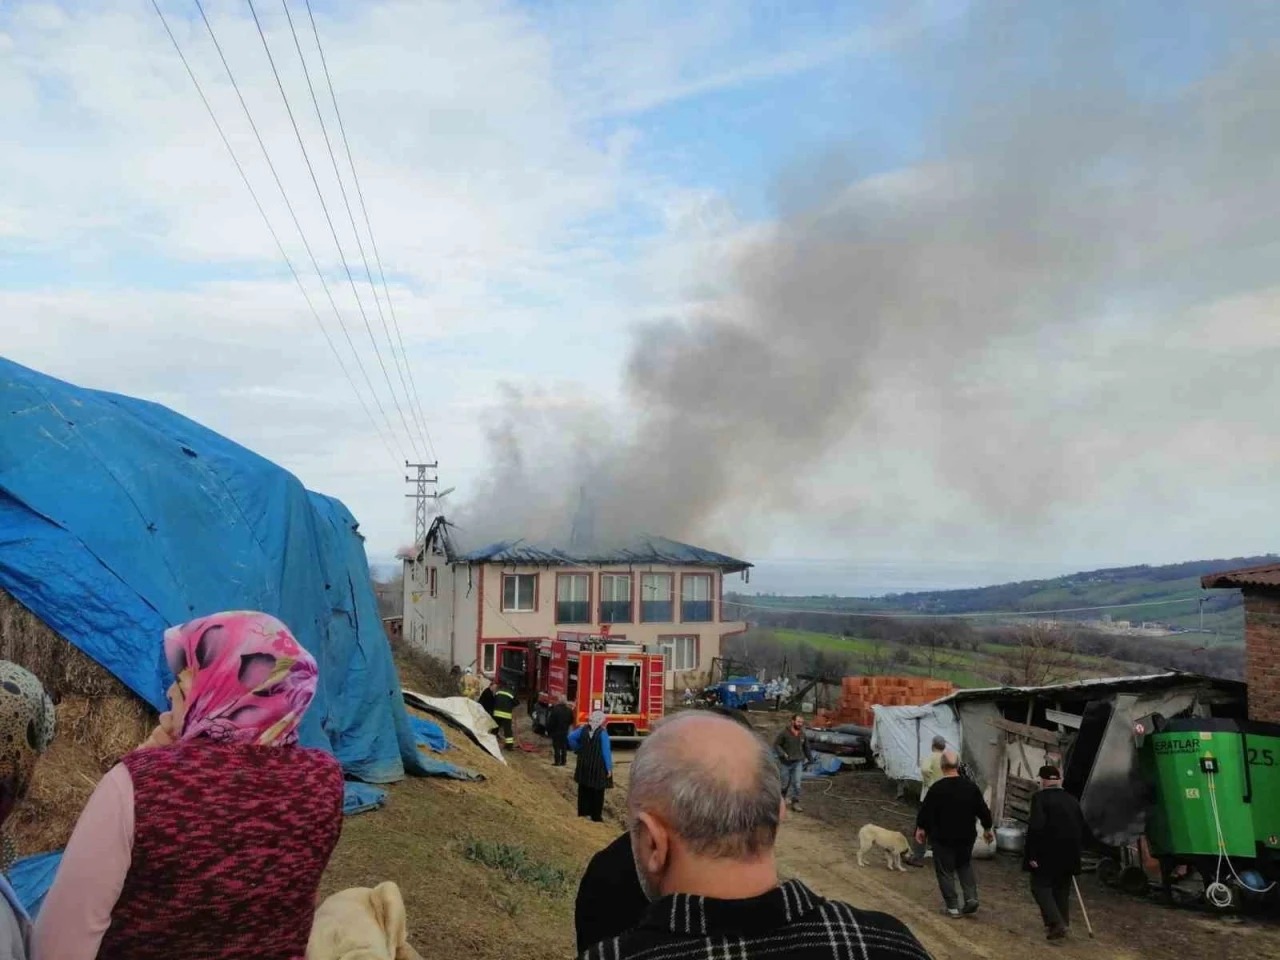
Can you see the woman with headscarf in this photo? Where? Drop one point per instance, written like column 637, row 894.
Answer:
column 26, row 729
column 594, row 769
column 210, row 839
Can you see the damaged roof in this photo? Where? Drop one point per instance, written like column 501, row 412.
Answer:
column 1147, row 681
column 641, row 550
column 1267, row 575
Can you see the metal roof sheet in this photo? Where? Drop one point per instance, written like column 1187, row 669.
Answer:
column 1098, row 684
column 1266, row 575
column 640, row 550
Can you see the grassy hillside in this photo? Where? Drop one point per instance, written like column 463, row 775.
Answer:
column 1169, row 595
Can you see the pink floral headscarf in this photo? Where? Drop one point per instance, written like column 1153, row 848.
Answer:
column 247, row 679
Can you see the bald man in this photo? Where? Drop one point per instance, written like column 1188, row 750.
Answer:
column 948, row 819
column 704, row 804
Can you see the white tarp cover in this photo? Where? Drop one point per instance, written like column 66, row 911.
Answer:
column 462, row 712
column 902, row 737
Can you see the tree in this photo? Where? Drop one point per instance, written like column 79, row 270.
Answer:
column 1040, row 654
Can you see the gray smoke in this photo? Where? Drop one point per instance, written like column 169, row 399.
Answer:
column 1087, row 194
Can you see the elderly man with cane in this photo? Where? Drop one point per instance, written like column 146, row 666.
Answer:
column 1056, row 832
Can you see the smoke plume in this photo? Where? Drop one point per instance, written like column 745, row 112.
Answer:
column 1022, row 316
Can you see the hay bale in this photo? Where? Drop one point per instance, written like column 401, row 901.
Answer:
column 93, row 734
column 99, row 721
column 62, row 667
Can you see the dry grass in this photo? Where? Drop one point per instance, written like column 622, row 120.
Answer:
column 62, row 668
column 93, row 734
column 421, row 672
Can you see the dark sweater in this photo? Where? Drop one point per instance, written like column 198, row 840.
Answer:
column 1056, row 833
column 791, row 747
column 610, row 900
column 559, row 721
column 949, row 811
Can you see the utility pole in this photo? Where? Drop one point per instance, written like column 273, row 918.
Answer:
column 1203, row 601
column 420, row 497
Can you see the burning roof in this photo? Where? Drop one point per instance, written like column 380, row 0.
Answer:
column 640, row 550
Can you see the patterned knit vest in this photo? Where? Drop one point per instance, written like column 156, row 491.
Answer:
column 229, row 842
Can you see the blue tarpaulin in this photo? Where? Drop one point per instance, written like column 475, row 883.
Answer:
column 31, row 878
column 361, row 798
column 429, row 734
column 120, row 518
column 822, row 765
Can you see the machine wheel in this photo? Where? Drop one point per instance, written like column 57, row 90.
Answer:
column 1133, row 881
column 1109, row 871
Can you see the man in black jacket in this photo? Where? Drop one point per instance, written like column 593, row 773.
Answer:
column 947, row 820
column 559, row 723
column 1056, row 832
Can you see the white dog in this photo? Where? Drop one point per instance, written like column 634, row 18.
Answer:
column 891, row 842
column 361, row 924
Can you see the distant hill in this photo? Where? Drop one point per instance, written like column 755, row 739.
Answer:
column 1166, row 595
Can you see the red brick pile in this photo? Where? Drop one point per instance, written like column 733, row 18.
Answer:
column 859, row 694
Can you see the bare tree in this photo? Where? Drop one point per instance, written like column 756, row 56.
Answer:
column 1039, row 654
column 875, row 659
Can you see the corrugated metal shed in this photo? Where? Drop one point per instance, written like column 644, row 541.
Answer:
column 1099, row 685
column 1267, row 575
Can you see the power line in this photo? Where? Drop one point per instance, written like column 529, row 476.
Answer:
column 284, row 195
column 355, row 230
column 373, row 243
column 954, row 616
column 270, row 229
column 306, row 156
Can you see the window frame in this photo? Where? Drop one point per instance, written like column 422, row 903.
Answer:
column 671, row 640
column 710, row 601
column 431, row 582
column 591, row 582
column 517, row 608
column 488, row 658
column 671, row 598
column 631, row 598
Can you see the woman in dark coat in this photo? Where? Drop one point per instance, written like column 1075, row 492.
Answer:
column 594, row 770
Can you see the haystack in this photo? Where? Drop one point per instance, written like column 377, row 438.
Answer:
column 99, row 721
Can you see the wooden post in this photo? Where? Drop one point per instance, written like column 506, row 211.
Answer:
column 1002, row 779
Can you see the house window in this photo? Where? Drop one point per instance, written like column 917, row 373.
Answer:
column 615, row 598
column 573, row 598
column 431, row 579
column 681, row 652
column 695, row 598
column 488, row 653
column 657, row 598
column 519, row 592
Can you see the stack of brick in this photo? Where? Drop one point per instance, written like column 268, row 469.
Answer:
column 859, row 694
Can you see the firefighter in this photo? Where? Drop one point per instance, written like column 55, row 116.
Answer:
column 504, row 708
column 486, row 698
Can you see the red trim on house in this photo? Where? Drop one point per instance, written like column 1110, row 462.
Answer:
column 671, row 580
column 591, row 592
column 502, row 599
column 479, row 618
column 600, row 607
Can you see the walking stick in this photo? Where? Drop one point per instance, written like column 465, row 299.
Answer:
column 1085, row 913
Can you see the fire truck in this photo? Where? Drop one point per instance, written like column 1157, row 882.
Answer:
column 593, row 671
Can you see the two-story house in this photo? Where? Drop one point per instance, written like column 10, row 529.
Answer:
column 459, row 606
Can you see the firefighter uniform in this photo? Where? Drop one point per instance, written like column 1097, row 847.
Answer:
column 504, row 708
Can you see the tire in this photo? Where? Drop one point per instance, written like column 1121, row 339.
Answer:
column 1133, row 881
column 1109, row 871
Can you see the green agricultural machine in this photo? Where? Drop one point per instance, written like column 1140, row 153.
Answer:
column 1215, row 805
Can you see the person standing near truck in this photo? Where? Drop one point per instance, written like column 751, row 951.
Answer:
column 594, row 770
column 559, row 723
column 792, row 751
column 504, row 708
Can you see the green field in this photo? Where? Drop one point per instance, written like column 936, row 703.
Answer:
column 964, row 668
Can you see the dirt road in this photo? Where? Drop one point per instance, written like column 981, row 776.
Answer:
column 820, row 850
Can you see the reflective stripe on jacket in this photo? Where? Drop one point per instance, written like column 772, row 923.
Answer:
column 504, row 704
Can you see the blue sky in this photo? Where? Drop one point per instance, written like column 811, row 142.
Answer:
column 543, row 179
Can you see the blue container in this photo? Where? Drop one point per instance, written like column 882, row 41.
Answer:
column 737, row 692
